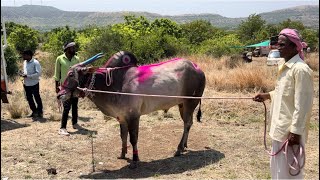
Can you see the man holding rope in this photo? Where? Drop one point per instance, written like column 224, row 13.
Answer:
column 291, row 107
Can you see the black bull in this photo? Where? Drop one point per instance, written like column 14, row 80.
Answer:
column 176, row 77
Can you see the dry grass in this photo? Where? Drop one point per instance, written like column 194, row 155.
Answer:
column 47, row 61
column 313, row 61
column 232, row 75
column 228, row 144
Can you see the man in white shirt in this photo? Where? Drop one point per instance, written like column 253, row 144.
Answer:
column 291, row 106
column 31, row 74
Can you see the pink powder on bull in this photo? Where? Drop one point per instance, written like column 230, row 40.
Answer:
column 145, row 72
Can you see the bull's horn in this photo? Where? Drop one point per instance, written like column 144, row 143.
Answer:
column 92, row 59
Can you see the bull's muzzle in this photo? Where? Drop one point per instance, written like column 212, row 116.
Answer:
column 62, row 95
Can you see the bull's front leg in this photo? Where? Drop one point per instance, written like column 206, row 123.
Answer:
column 133, row 132
column 124, row 136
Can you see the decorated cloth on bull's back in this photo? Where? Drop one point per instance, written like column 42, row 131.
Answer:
column 62, row 67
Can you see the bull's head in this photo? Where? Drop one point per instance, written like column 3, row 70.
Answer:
column 76, row 77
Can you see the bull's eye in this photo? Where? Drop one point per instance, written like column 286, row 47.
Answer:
column 71, row 74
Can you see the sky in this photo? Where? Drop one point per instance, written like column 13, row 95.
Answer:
column 227, row 8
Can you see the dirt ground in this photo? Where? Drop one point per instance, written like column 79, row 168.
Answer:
column 227, row 144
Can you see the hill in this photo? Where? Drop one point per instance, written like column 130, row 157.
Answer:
column 308, row 15
column 45, row 18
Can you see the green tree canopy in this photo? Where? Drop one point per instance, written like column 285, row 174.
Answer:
column 248, row 30
column 198, row 31
column 57, row 38
column 166, row 27
column 298, row 25
column 11, row 59
column 23, row 38
column 220, row 46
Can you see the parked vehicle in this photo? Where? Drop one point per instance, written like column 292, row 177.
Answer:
column 273, row 57
column 256, row 52
column 247, row 56
column 261, row 51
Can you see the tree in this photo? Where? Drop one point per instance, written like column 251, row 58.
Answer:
column 57, row 38
column 311, row 38
column 86, row 36
column 23, row 38
column 166, row 27
column 220, row 46
column 11, row 59
column 250, row 28
column 298, row 25
column 198, row 31
column 272, row 29
column 107, row 41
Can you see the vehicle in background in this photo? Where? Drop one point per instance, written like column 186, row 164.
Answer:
column 247, row 56
column 261, row 51
column 273, row 57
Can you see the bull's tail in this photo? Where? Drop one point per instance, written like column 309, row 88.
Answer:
column 199, row 114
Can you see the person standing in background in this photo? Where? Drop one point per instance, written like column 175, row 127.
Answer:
column 31, row 74
column 62, row 66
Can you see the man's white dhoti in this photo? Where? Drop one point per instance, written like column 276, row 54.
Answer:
column 278, row 164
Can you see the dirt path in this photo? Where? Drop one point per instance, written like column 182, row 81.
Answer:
column 219, row 147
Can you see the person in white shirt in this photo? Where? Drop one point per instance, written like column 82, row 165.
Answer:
column 31, row 74
column 291, row 107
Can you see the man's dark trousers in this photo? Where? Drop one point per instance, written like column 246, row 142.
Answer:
column 33, row 92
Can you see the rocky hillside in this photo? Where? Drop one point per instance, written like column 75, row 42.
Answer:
column 45, row 17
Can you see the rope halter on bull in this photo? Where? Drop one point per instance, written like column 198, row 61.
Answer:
column 299, row 154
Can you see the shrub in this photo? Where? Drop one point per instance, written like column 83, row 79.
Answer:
column 218, row 47
column 48, row 65
column 107, row 42
column 24, row 39
column 11, row 57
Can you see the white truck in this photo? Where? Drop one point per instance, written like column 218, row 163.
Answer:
column 4, row 76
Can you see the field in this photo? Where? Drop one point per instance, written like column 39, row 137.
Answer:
column 227, row 144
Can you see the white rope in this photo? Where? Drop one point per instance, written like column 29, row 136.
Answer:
column 153, row 95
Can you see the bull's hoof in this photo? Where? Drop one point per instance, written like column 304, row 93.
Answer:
column 133, row 165
column 122, row 156
column 178, row 153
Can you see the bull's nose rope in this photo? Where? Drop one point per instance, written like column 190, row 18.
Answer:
column 299, row 154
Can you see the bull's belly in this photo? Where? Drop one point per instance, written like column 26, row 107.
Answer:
column 161, row 104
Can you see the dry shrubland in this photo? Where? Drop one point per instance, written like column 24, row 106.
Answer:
column 227, row 144
column 227, row 74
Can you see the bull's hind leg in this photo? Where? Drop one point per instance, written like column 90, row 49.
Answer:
column 124, row 136
column 186, row 113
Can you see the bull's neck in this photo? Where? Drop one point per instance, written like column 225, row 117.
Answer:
column 108, row 81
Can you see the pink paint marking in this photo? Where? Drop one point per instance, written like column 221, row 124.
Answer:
column 134, row 151
column 196, row 66
column 145, row 72
column 100, row 70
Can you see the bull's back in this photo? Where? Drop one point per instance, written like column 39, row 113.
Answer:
column 177, row 77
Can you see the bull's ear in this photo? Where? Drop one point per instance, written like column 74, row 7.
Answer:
column 91, row 69
column 87, row 69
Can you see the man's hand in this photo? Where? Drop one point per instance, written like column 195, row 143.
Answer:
column 261, row 97
column 57, row 86
column 57, row 90
column 294, row 139
column 22, row 75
